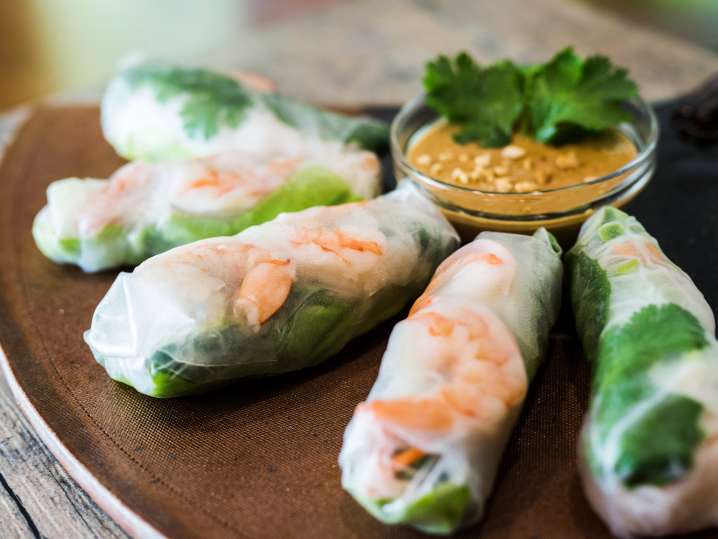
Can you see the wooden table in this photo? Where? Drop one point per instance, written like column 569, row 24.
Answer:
column 371, row 51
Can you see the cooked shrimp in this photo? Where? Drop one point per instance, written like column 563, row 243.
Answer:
column 221, row 183
column 483, row 376
column 496, row 263
column 126, row 188
column 472, row 359
column 335, row 241
column 264, row 290
column 644, row 249
column 204, row 185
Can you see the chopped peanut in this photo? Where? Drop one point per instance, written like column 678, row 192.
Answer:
column 423, row 159
column 502, row 185
column 525, row 186
column 483, row 160
column 460, row 175
column 567, row 161
column 513, row 152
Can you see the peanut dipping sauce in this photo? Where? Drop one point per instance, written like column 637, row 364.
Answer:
column 524, row 166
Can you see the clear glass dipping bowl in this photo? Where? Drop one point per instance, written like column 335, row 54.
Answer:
column 561, row 210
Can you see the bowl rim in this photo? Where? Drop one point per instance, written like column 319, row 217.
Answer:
column 410, row 107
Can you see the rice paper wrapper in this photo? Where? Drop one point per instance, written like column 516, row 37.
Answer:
column 145, row 209
column 156, row 111
column 424, row 448
column 277, row 297
column 649, row 457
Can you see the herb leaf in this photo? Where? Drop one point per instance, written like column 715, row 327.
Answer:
column 553, row 102
column 485, row 102
column 568, row 92
column 211, row 100
column 659, row 447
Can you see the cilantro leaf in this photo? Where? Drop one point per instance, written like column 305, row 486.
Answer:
column 658, row 448
column 211, row 100
column 555, row 102
column 568, row 92
column 485, row 102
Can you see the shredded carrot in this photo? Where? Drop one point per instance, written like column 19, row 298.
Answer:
column 405, row 458
column 631, row 249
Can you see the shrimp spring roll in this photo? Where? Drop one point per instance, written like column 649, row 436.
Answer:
column 424, row 448
column 145, row 209
column 275, row 298
column 154, row 111
column 649, row 445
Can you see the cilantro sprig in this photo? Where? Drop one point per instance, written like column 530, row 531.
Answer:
column 552, row 102
column 212, row 100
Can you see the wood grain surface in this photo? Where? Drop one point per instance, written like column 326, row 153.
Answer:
column 38, row 497
column 255, row 460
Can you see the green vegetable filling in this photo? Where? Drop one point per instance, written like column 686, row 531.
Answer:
column 312, row 325
column 364, row 132
column 590, row 295
column 441, row 511
column 116, row 245
column 657, row 441
column 610, row 231
column 211, row 100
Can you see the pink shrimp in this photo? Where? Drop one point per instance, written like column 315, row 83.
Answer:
column 264, row 289
column 220, row 182
column 262, row 281
column 253, row 180
column 643, row 249
column 335, row 241
column 125, row 187
column 482, row 252
column 484, row 379
column 477, row 359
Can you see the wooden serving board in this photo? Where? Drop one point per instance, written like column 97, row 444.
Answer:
column 258, row 459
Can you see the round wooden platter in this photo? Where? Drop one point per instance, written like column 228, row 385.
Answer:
column 258, row 459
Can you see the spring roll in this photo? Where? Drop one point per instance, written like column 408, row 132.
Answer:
column 277, row 297
column 649, row 445
column 145, row 209
column 155, row 112
column 424, row 448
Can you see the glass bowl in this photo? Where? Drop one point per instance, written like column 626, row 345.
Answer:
column 561, row 210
